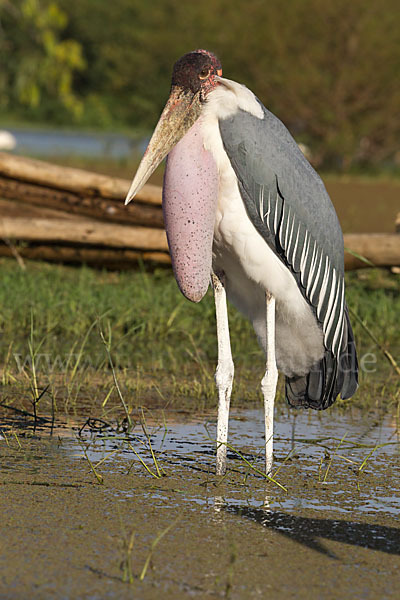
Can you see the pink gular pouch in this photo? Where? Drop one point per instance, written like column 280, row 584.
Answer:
column 190, row 194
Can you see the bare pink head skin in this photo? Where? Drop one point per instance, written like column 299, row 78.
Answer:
column 190, row 187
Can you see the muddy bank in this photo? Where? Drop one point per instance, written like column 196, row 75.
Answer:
column 365, row 206
column 65, row 535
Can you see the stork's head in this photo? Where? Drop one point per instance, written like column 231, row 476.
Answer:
column 193, row 78
column 196, row 72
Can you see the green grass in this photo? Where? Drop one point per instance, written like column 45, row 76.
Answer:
column 162, row 347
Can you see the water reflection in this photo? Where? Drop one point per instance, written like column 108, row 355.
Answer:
column 64, row 143
column 305, row 446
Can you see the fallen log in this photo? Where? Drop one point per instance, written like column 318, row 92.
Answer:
column 9, row 208
column 380, row 249
column 106, row 209
column 119, row 258
column 377, row 249
column 83, row 232
column 64, row 194
column 110, row 258
column 83, row 183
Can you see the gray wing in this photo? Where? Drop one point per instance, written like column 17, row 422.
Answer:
column 290, row 207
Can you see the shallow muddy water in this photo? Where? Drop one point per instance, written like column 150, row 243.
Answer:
column 79, row 506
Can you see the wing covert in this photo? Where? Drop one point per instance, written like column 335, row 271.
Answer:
column 289, row 206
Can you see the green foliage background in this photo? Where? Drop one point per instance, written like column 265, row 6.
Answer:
column 328, row 68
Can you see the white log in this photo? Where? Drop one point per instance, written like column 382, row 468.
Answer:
column 82, row 231
column 75, row 180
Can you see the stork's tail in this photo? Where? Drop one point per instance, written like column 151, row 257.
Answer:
column 328, row 378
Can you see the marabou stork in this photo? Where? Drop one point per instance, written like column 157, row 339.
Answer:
column 244, row 208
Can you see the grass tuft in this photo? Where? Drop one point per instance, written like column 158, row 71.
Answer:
column 164, row 348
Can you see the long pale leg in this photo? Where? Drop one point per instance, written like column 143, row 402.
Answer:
column 269, row 381
column 224, row 371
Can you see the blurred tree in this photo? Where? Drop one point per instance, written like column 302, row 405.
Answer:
column 328, row 68
column 330, row 71
column 36, row 65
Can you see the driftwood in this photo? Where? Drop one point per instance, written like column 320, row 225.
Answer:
column 381, row 249
column 106, row 209
column 70, row 215
column 88, row 232
column 111, row 258
column 83, row 183
column 10, row 208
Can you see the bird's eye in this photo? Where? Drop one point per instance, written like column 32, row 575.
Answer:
column 204, row 73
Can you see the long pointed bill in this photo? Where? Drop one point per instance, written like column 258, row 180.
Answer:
column 189, row 193
column 181, row 111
